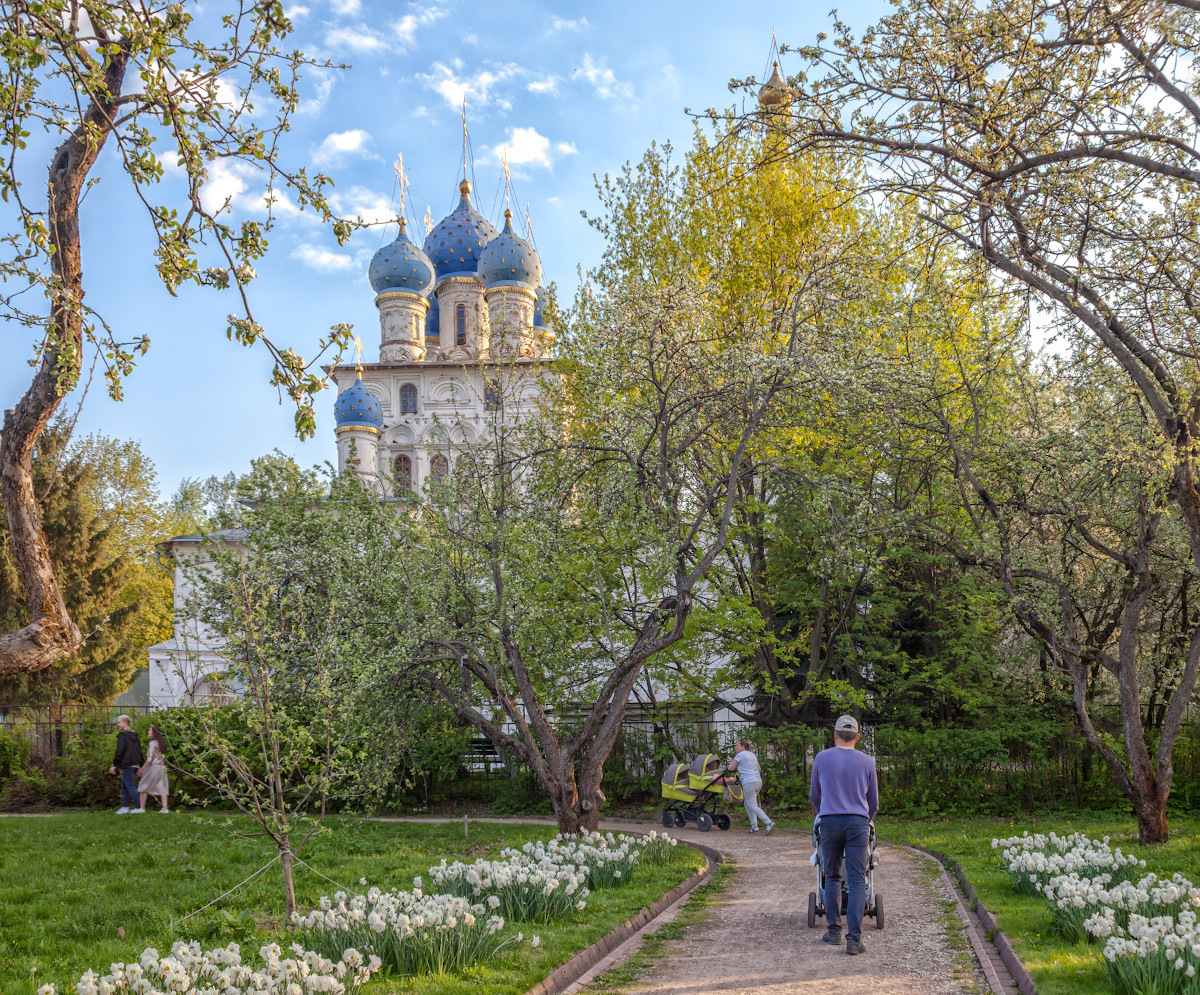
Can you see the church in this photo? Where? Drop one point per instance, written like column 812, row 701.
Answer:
column 460, row 318
column 452, row 315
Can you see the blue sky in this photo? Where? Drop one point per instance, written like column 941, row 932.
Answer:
column 571, row 90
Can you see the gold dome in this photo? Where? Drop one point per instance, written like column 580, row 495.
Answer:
column 774, row 92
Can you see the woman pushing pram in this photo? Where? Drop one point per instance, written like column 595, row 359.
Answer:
column 845, row 795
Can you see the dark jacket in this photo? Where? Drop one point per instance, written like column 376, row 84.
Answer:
column 129, row 750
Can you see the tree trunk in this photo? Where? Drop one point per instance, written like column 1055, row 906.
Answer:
column 289, row 889
column 575, row 813
column 51, row 634
column 1152, row 820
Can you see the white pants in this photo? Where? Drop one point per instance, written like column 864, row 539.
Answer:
column 755, row 813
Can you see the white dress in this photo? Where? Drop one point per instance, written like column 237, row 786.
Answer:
column 154, row 777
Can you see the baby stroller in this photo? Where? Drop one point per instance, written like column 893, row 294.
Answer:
column 816, row 899
column 695, row 791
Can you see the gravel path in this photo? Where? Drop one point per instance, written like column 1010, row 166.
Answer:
column 757, row 940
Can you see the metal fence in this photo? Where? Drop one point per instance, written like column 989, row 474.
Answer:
column 48, row 728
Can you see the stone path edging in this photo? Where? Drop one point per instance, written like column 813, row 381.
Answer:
column 1020, row 976
column 565, row 975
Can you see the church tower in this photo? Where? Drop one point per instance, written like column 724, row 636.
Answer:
column 454, row 246
column 401, row 276
column 359, row 419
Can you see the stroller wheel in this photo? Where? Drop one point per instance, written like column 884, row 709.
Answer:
column 878, row 911
column 723, row 821
column 680, row 819
column 812, row 909
column 704, row 822
column 668, row 820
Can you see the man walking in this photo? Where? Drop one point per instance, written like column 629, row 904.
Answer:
column 845, row 794
column 127, row 760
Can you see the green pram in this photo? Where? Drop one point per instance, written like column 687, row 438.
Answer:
column 694, row 792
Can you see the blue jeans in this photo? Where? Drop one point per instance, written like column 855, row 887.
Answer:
column 849, row 833
column 129, row 794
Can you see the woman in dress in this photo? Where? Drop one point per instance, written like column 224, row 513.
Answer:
column 152, row 775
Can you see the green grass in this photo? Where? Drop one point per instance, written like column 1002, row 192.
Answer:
column 68, row 882
column 1057, row 967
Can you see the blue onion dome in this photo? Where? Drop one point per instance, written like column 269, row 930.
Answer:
column 543, row 295
column 432, row 319
column 400, row 265
column 457, row 240
column 508, row 259
column 357, row 407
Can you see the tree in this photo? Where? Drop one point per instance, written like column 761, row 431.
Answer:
column 1055, row 142
column 135, row 77
column 295, row 610
column 586, row 538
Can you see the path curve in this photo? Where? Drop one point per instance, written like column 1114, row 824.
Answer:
column 756, row 941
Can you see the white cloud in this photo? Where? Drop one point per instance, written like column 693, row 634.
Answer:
column 346, row 8
column 547, row 84
column 603, row 79
column 340, row 144
column 323, row 259
column 563, row 24
column 236, row 186
column 296, row 11
column 526, row 147
column 405, row 29
column 363, row 202
column 324, row 87
column 479, row 89
column 359, row 39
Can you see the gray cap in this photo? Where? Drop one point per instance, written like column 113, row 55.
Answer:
column 847, row 723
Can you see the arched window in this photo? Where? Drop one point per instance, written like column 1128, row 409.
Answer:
column 439, row 467
column 408, row 399
column 403, row 469
column 460, row 325
column 491, row 395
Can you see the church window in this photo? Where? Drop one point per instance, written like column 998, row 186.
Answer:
column 439, row 467
column 491, row 394
column 460, row 325
column 403, row 466
column 408, row 399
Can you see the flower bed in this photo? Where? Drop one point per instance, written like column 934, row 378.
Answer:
column 544, row 881
column 188, row 968
column 1148, row 925
column 460, row 925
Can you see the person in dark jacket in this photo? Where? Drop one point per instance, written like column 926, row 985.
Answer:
column 127, row 760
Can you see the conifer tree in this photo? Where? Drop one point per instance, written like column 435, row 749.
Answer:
column 93, row 577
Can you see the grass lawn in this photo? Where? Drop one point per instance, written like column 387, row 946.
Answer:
column 68, row 882
column 1058, row 967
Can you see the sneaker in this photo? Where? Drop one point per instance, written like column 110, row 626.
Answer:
column 137, row 811
column 769, row 828
column 832, row 938
column 752, row 831
column 123, row 810
column 855, row 947
column 164, row 811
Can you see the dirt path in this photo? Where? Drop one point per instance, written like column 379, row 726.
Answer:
column 757, row 941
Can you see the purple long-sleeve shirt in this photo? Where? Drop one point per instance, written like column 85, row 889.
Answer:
column 844, row 783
